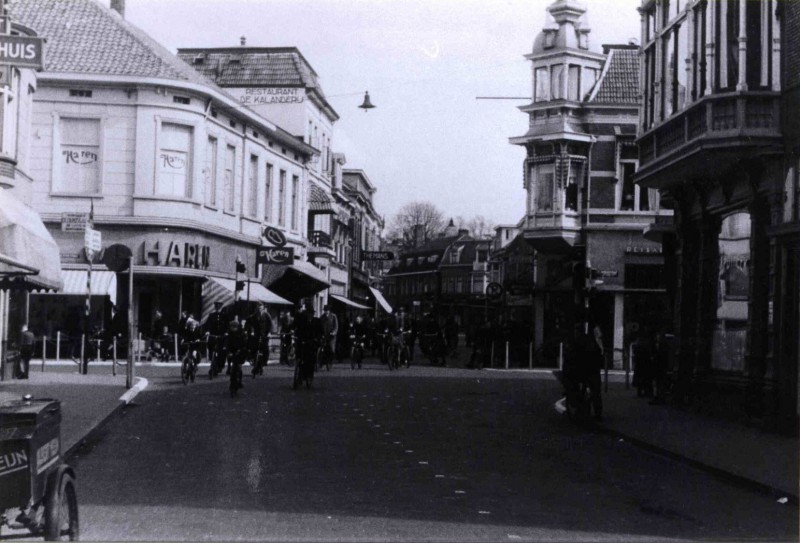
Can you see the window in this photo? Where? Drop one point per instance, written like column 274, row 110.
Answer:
column 588, row 79
column 557, row 82
column 727, row 57
column 174, row 161
column 628, row 188
column 574, row 83
column 80, row 157
column 211, row 173
column 268, row 194
column 251, row 205
column 230, row 179
column 541, row 85
column 545, row 177
column 282, row 199
column 699, row 58
column 294, row 210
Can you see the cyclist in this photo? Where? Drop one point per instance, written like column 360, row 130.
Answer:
column 358, row 332
column 305, row 346
column 237, row 350
column 259, row 327
column 215, row 328
column 330, row 328
column 286, row 323
column 434, row 341
column 397, row 326
column 191, row 338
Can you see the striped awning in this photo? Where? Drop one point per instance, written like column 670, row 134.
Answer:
column 380, row 299
column 104, row 283
column 319, row 202
column 347, row 301
column 218, row 289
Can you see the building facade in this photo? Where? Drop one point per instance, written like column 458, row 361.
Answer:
column 584, row 211
column 718, row 139
column 173, row 168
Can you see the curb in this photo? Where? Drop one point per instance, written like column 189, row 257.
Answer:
column 738, row 480
column 124, row 400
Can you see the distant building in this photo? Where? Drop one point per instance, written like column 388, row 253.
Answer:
column 584, row 211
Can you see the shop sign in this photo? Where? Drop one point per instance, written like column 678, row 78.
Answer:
column 639, row 250
column 275, row 255
column 176, row 253
column 21, row 51
column 255, row 96
column 74, row 222
column 274, row 236
column 377, row 255
column 92, row 240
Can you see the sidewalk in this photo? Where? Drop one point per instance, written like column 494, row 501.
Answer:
column 87, row 401
column 747, row 455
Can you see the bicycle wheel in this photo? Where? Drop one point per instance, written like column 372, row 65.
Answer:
column 328, row 359
column 405, row 358
column 297, row 377
column 391, row 357
column 185, row 370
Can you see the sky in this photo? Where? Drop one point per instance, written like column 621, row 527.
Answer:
column 424, row 63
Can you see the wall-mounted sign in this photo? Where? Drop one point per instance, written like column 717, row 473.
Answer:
column 176, row 253
column 638, row 250
column 21, row 51
column 74, row 222
column 275, row 255
column 92, row 240
column 377, row 255
column 274, row 236
column 255, row 96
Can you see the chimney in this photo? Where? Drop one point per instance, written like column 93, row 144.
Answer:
column 463, row 231
column 419, row 235
column 119, row 7
column 243, row 41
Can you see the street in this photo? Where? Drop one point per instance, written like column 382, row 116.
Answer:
column 420, row 454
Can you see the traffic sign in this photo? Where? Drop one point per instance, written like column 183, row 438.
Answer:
column 74, row 222
column 21, row 51
column 494, row 290
column 275, row 255
column 377, row 255
column 274, row 236
column 117, row 257
column 92, row 240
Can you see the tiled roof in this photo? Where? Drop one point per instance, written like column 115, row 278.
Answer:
column 254, row 67
column 419, row 258
column 619, row 83
column 86, row 37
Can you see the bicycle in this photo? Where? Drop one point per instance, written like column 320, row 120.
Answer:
column 288, row 355
column 237, row 360
column 190, row 361
column 324, row 354
column 357, row 354
column 260, row 358
column 398, row 354
column 304, row 368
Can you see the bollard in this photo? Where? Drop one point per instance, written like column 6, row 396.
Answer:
column 530, row 356
column 561, row 356
column 506, row 354
column 58, row 346
column 139, row 349
column 491, row 360
column 175, row 337
column 114, row 356
column 83, row 347
column 98, row 350
column 44, row 351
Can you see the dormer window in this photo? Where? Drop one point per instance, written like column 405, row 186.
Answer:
column 549, row 39
column 199, row 59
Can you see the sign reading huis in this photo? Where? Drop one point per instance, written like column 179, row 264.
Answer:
column 176, row 253
column 21, row 51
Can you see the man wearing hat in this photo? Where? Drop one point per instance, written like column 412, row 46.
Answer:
column 330, row 327
column 215, row 328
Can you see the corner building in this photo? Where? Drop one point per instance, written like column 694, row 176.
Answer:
column 583, row 209
column 173, row 167
column 716, row 139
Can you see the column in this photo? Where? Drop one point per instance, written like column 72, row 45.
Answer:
column 690, row 76
column 619, row 324
column 742, row 84
column 711, row 41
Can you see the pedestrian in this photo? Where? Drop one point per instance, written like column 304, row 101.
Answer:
column 215, row 328
column 660, row 360
column 330, row 328
column 26, row 342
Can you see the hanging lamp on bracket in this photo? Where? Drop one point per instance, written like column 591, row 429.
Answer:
column 367, row 105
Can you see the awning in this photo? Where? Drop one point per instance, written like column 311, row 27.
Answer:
column 319, row 202
column 380, row 299
column 218, row 289
column 104, row 283
column 295, row 282
column 25, row 241
column 347, row 301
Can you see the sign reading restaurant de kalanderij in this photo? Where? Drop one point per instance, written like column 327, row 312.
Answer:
column 254, row 96
column 21, row 51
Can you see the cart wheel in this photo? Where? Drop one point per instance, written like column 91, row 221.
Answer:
column 61, row 508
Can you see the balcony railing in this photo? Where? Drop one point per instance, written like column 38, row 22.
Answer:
column 318, row 238
column 740, row 118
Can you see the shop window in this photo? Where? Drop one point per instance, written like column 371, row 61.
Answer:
column 730, row 333
column 230, row 179
column 268, row 194
column 210, row 172
column 174, row 161
column 282, row 198
column 79, row 171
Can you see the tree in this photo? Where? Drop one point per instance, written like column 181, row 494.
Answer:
column 424, row 214
column 480, row 227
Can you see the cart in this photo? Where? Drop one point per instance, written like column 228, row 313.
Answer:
column 37, row 489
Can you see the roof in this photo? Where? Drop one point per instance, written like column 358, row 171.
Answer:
column 619, row 82
column 85, row 37
column 256, row 67
column 422, row 257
